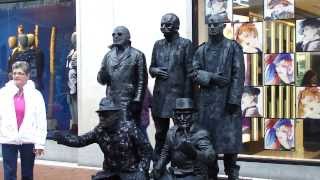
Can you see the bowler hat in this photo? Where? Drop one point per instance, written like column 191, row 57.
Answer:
column 107, row 104
column 184, row 104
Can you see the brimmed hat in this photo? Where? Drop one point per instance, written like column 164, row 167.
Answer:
column 251, row 90
column 107, row 105
column 184, row 104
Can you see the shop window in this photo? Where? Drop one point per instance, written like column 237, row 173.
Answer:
column 281, row 101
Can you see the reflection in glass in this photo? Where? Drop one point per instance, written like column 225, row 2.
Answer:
column 248, row 10
column 306, row 9
column 308, row 69
column 279, row 134
column 279, row 36
column 278, row 9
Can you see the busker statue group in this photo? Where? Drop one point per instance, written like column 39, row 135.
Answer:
column 203, row 127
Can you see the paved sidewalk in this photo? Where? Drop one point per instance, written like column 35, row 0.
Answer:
column 50, row 170
column 57, row 171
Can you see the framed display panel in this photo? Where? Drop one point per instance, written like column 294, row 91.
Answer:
column 308, row 102
column 275, row 9
column 279, row 134
column 52, row 24
column 249, row 36
column 279, row 36
column 307, row 68
column 218, row 7
column 246, row 130
column 253, row 69
column 252, row 101
column 308, row 35
column 278, row 69
column 247, row 11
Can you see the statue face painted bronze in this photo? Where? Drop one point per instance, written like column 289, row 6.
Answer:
column 121, row 36
column 169, row 24
column 215, row 25
column 108, row 118
column 183, row 119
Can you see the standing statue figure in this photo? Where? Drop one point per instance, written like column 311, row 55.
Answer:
column 24, row 53
column 71, row 66
column 219, row 71
column 187, row 147
column 127, row 152
column 124, row 71
column 170, row 64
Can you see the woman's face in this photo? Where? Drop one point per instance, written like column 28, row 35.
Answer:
column 284, row 135
column 285, row 71
column 20, row 77
column 248, row 41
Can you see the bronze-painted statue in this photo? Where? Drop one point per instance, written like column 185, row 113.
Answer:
column 124, row 71
column 219, row 71
column 127, row 152
column 187, row 147
column 71, row 66
column 170, row 64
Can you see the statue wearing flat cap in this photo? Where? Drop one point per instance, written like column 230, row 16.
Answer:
column 127, row 151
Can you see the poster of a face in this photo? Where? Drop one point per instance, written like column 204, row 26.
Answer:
column 252, row 102
column 308, row 35
column 218, row 7
column 279, row 134
column 279, row 69
column 308, row 102
column 48, row 27
column 278, row 9
column 249, row 36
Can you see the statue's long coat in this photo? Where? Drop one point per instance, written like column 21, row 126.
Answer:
column 225, row 128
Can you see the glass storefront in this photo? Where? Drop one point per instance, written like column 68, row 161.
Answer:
column 281, row 101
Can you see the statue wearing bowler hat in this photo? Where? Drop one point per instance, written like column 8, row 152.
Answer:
column 187, row 147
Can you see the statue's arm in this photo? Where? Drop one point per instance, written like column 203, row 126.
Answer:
column 142, row 78
column 77, row 141
column 103, row 75
column 237, row 76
